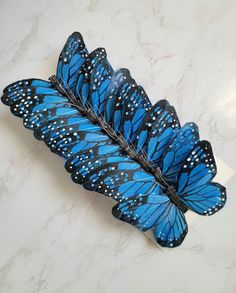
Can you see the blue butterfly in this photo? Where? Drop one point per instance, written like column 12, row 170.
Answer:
column 115, row 142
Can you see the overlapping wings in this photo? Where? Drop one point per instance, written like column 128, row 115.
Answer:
column 96, row 161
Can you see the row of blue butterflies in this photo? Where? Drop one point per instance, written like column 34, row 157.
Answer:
column 99, row 164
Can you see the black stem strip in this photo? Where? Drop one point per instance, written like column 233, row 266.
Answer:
column 119, row 139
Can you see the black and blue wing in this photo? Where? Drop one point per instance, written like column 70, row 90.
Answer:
column 145, row 128
column 160, row 135
column 82, row 87
column 105, row 169
column 154, row 211
column 120, row 98
column 89, row 172
column 118, row 79
column 31, row 97
column 46, row 127
column 182, row 143
column 15, row 91
column 99, row 84
column 100, row 151
column 33, row 103
column 70, row 139
column 195, row 187
column 134, row 113
column 70, row 61
column 125, row 180
column 45, row 112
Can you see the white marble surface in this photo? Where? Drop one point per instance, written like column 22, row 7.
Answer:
column 56, row 237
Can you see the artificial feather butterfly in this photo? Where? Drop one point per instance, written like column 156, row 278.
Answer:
column 115, row 142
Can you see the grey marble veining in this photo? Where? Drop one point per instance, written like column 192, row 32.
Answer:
column 55, row 236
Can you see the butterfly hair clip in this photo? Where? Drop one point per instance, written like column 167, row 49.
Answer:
column 115, row 142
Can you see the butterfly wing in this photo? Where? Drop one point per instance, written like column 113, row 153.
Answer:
column 111, row 173
column 195, row 188
column 147, row 124
column 46, row 127
column 161, row 134
column 182, row 143
column 31, row 97
column 82, row 87
column 16, row 90
column 96, row 152
column 99, row 83
column 120, row 98
column 70, row 61
column 118, row 79
column 156, row 131
column 47, row 111
column 156, row 212
column 125, row 180
column 135, row 110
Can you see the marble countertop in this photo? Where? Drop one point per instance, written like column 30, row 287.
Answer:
column 55, row 236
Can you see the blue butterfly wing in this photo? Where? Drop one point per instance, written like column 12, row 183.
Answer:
column 118, row 79
column 16, row 90
column 120, row 99
column 31, row 97
column 70, row 60
column 44, row 112
column 135, row 110
column 69, row 140
column 177, row 150
column 96, row 166
column 171, row 227
column 121, row 180
column 195, row 188
column 47, row 126
column 161, row 134
column 82, row 88
column 33, row 103
column 63, row 137
column 138, row 210
column 110, row 172
column 94, row 152
column 154, row 211
column 100, row 80
column 145, row 128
